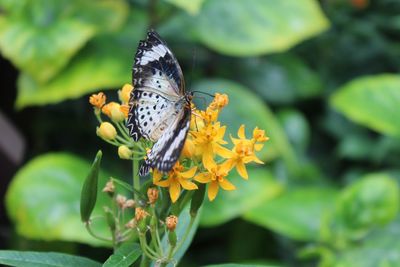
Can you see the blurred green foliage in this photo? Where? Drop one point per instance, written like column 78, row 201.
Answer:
column 321, row 79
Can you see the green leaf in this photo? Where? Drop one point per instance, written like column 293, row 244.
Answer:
column 89, row 189
column 40, row 37
column 297, row 213
column 239, row 265
column 371, row 201
column 192, row 7
column 282, row 78
column 125, row 255
column 372, row 101
column 380, row 248
column 104, row 63
column 246, row 108
column 256, row 27
column 43, row 259
column 43, row 199
column 184, row 221
column 259, row 189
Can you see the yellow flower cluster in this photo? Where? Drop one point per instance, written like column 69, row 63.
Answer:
column 209, row 160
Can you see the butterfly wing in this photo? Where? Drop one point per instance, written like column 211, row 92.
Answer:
column 156, row 72
column 159, row 110
column 167, row 149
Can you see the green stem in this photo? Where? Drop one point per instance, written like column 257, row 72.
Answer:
column 123, row 130
column 136, row 178
column 87, row 225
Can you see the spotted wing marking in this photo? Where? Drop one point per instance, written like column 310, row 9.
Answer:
column 167, row 149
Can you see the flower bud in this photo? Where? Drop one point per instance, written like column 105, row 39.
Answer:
column 97, row 100
column 124, row 109
column 124, row 152
column 259, row 135
column 130, row 203
column 152, row 194
column 120, row 200
column 113, row 111
column 220, row 101
column 131, row 224
column 107, row 131
column 109, row 188
column 140, row 214
column 124, row 93
column 171, row 222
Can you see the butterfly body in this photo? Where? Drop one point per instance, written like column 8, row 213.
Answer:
column 159, row 106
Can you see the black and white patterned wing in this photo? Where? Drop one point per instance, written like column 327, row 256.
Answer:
column 158, row 84
column 167, row 149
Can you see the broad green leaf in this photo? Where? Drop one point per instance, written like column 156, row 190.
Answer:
column 260, row 188
column 184, row 221
column 282, row 78
column 380, row 248
column 40, row 37
column 296, row 127
column 192, row 7
column 256, row 27
column 246, row 108
column 104, row 63
column 373, row 200
column 43, row 259
column 125, row 255
column 239, row 265
column 89, row 189
column 43, row 199
column 372, row 101
column 297, row 213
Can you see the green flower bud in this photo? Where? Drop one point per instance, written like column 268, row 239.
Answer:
column 107, row 131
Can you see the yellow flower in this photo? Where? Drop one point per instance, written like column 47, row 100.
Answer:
column 113, row 111
column 107, row 131
column 210, row 115
column 216, row 177
column 177, row 178
column 208, row 141
column 259, row 135
column 189, row 148
column 220, row 101
column 125, row 110
column 97, row 100
column 243, row 152
column 124, row 93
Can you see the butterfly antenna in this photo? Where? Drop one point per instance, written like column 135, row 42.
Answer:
column 200, row 92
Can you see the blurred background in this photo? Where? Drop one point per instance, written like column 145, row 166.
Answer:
column 321, row 77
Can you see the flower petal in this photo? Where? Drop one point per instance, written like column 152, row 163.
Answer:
column 189, row 173
column 228, row 165
column 222, row 151
column 241, row 132
column 163, row 183
column 220, row 133
column 258, row 147
column 188, row 185
column 213, row 190
column 251, row 158
column 156, row 176
column 204, row 177
column 226, row 185
column 174, row 190
column 208, row 159
column 241, row 168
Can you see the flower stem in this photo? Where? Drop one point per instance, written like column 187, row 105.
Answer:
column 87, row 225
column 136, row 178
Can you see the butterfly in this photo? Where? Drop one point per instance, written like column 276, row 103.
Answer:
column 160, row 108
